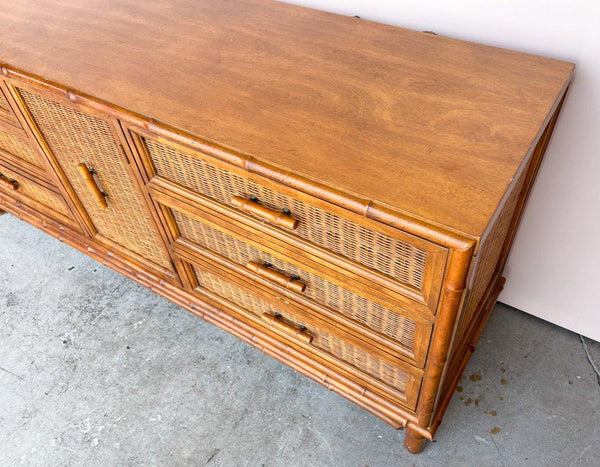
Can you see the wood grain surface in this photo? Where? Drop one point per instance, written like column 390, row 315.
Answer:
column 432, row 126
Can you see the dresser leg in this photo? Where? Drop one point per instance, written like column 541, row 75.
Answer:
column 413, row 442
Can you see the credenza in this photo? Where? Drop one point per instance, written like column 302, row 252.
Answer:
column 340, row 194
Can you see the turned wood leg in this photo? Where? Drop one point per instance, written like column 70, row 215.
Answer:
column 414, row 442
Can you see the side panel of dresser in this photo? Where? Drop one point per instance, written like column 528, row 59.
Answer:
column 84, row 149
column 486, row 281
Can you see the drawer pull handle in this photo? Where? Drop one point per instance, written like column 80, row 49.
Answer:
column 277, row 322
column 289, row 282
column 88, row 176
column 251, row 206
column 11, row 182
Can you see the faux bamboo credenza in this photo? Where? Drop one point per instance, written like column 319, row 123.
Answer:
column 341, row 194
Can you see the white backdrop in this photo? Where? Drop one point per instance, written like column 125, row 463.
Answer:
column 554, row 269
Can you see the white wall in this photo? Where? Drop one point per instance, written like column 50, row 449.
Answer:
column 554, row 269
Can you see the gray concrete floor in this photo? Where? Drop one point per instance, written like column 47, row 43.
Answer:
column 96, row 370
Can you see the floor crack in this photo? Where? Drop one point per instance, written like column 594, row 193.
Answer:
column 11, row 373
column 589, row 357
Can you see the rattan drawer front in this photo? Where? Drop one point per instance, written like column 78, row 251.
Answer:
column 16, row 185
column 80, row 140
column 7, row 115
column 18, row 147
column 4, row 103
column 398, row 261
column 371, row 364
column 392, row 325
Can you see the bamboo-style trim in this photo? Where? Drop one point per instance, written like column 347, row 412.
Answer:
column 393, row 395
column 13, row 128
column 362, row 278
column 53, row 167
column 454, row 287
column 192, row 253
column 465, row 348
column 297, row 308
column 8, row 118
column 28, row 170
column 468, row 347
column 48, row 159
column 436, row 254
column 368, row 208
column 379, row 406
column 537, row 157
column 22, row 198
column 424, row 421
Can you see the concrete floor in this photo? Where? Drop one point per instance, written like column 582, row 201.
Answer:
column 96, row 370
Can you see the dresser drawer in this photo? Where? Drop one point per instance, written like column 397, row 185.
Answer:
column 6, row 114
column 396, row 329
column 394, row 260
column 14, row 145
column 4, row 107
column 34, row 194
column 342, row 351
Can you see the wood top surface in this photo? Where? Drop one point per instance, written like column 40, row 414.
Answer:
column 432, row 126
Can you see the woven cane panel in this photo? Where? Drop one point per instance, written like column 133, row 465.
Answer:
column 387, row 255
column 490, row 252
column 19, row 148
column 3, row 102
column 373, row 315
column 76, row 138
column 356, row 357
column 37, row 193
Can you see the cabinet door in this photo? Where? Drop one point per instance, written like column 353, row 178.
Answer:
column 86, row 147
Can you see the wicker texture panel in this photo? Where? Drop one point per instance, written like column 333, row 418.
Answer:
column 366, row 312
column 387, row 255
column 490, row 252
column 19, row 148
column 3, row 102
column 37, row 193
column 76, row 138
column 356, row 357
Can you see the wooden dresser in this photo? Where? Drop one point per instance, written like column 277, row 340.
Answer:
column 338, row 193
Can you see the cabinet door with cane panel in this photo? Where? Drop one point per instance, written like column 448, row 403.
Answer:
column 24, row 176
column 87, row 152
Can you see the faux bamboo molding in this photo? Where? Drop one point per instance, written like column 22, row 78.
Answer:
column 367, row 208
column 422, row 214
